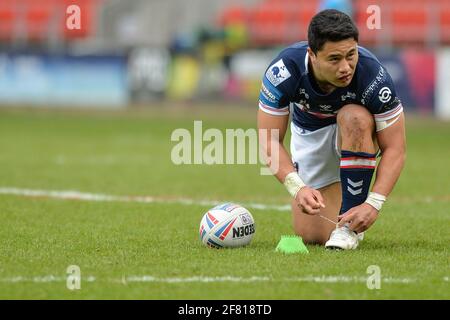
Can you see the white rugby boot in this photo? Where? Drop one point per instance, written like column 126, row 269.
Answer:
column 343, row 238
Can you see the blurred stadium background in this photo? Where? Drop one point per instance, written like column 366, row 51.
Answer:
column 141, row 52
column 92, row 110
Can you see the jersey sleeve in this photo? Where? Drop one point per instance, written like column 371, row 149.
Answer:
column 278, row 87
column 381, row 98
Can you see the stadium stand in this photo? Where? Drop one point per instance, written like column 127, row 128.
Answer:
column 268, row 22
column 444, row 22
column 7, row 20
column 38, row 20
column 403, row 22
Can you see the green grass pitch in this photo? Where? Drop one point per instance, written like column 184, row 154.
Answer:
column 132, row 250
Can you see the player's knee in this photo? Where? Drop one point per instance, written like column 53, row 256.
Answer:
column 353, row 117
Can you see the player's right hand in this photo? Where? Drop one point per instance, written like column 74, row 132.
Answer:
column 309, row 200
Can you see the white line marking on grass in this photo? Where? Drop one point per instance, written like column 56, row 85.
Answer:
column 84, row 196
column 310, row 279
column 196, row 279
column 205, row 279
column 346, row 279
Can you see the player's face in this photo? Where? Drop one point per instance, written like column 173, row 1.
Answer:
column 335, row 63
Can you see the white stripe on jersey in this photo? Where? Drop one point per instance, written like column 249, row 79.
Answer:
column 274, row 111
column 389, row 114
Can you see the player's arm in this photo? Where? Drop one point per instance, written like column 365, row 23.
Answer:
column 392, row 143
column 272, row 130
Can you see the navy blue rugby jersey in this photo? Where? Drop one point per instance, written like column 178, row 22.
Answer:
column 287, row 81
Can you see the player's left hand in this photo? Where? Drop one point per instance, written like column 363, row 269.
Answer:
column 360, row 217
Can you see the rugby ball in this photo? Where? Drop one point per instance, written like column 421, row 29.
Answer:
column 227, row 225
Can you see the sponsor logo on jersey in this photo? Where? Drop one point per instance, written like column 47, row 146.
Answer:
column 385, row 94
column 325, row 108
column 303, row 105
column 381, row 76
column 348, row 95
column 278, row 73
column 267, row 94
column 303, row 92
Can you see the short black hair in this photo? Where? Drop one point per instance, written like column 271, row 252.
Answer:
column 330, row 25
